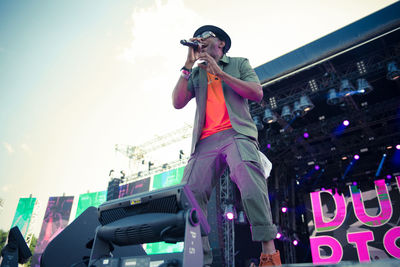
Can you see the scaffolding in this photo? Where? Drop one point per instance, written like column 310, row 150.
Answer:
column 228, row 226
column 137, row 154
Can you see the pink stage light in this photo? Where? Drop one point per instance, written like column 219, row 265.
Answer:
column 398, row 147
column 284, row 209
column 356, row 157
column 230, row 216
column 278, row 235
column 295, row 242
column 346, row 123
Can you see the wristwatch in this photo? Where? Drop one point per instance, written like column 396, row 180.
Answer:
column 185, row 73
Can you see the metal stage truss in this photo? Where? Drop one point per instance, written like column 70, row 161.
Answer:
column 228, row 226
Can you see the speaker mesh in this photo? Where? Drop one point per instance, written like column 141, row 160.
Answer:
column 161, row 205
column 142, row 234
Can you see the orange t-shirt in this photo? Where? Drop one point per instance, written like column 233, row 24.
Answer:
column 217, row 117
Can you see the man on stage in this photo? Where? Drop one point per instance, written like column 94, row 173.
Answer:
column 224, row 133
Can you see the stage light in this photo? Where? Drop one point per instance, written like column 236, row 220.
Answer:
column 346, row 123
column 333, row 97
column 229, row 212
column 354, row 183
column 389, row 176
column 361, row 67
column 398, row 147
column 306, row 104
column 346, row 88
column 389, row 147
column 363, row 86
column 269, row 146
column 356, row 157
column 284, row 209
column 278, row 235
column 151, row 164
column 323, row 189
column 286, row 113
column 344, row 158
column 258, row 123
column 393, row 71
column 295, row 239
column 272, row 102
column 316, row 167
column 306, row 135
column 241, row 217
column 313, row 85
column 378, row 172
column 269, row 117
column 297, row 111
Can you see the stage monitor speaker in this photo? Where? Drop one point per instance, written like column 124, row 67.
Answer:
column 72, row 246
column 170, row 214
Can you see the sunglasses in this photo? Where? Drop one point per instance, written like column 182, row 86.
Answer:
column 206, row 35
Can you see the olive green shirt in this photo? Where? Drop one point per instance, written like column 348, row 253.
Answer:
column 237, row 106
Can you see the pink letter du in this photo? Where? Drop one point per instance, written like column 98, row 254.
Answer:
column 320, row 224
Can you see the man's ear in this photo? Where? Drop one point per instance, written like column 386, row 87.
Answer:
column 221, row 44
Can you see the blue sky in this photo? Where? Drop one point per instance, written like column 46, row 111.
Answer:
column 78, row 77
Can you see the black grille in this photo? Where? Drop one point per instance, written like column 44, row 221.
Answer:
column 161, row 205
column 141, row 234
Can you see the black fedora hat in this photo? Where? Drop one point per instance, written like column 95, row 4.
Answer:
column 220, row 33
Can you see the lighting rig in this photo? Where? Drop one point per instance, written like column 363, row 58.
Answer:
column 329, row 125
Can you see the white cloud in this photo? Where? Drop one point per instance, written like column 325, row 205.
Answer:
column 155, row 57
column 8, row 147
column 26, row 148
column 5, row 188
column 157, row 31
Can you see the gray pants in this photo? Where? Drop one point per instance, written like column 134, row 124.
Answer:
column 211, row 157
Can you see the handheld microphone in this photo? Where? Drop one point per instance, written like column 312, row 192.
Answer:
column 195, row 45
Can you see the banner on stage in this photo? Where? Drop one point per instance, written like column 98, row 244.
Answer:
column 23, row 214
column 90, row 199
column 168, row 178
column 55, row 220
column 363, row 226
